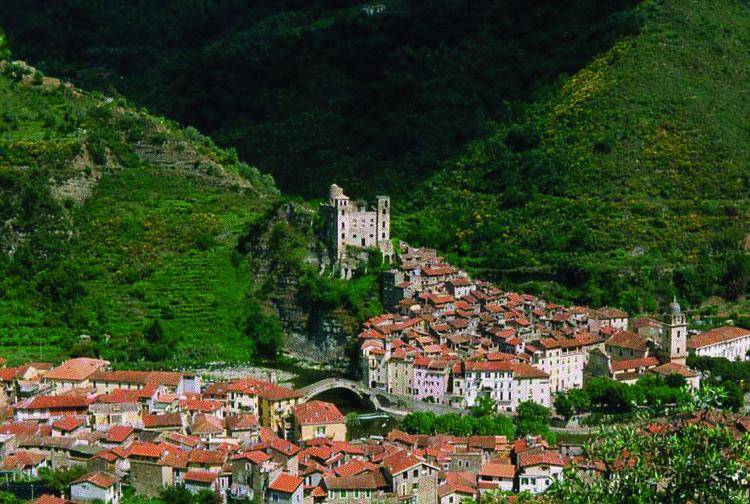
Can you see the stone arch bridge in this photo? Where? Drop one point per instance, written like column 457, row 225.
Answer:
column 380, row 400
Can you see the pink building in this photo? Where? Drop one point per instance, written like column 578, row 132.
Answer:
column 430, row 378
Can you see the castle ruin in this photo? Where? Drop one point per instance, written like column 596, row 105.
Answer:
column 353, row 224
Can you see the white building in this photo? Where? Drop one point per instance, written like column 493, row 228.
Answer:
column 98, row 486
column 729, row 342
column 537, row 471
column 564, row 360
column 507, row 383
column 607, row 317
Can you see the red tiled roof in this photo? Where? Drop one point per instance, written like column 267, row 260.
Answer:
column 400, row 461
column 68, row 423
column 674, row 368
column 370, row 480
column 50, row 499
column 76, row 369
column 285, row 483
column 203, row 477
column 627, row 339
column 165, row 420
column 645, row 362
column 55, row 402
column 542, row 458
column 100, row 479
column 118, row 433
column 317, row 412
column 498, row 470
column 145, row 449
column 718, row 335
column 210, row 457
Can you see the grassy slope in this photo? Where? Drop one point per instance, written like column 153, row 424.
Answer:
column 644, row 149
column 155, row 239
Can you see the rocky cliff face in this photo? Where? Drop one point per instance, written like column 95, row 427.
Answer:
column 278, row 247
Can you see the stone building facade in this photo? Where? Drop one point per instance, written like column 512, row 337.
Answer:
column 354, row 224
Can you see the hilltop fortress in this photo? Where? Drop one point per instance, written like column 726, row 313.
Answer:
column 352, row 224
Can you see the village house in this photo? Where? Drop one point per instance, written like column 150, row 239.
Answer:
column 318, row 419
column 731, row 343
column 96, row 487
column 505, row 382
column 285, row 489
column 538, row 470
column 74, row 373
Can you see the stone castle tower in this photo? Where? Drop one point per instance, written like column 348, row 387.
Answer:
column 674, row 334
column 352, row 224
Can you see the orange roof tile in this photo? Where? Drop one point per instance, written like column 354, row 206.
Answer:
column 285, row 483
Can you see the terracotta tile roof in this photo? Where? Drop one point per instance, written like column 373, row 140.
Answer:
column 66, row 402
column 400, row 462
column 283, row 446
column 317, row 412
column 607, row 313
column 491, row 470
column 76, row 369
column 242, row 422
column 542, row 458
column 145, row 449
column 100, row 479
column 210, row 457
column 674, row 368
column 370, row 480
column 166, row 420
column 716, row 336
column 201, row 477
column 8, row 374
column 257, row 457
column 206, row 424
column 627, row 339
column 118, row 433
column 50, row 499
column 354, row 466
column 646, row 362
column 68, row 423
column 176, row 458
column 16, row 428
column 263, row 389
column 20, row 460
column 285, row 483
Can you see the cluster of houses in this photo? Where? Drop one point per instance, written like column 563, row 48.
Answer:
column 242, row 438
column 449, row 339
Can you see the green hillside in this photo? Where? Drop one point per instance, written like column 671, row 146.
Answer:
column 595, row 151
column 624, row 182
column 112, row 220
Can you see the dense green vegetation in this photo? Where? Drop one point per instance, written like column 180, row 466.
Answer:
column 531, row 418
column 594, row 151
column 121, row 226
column 692, row 463
column 610, row 401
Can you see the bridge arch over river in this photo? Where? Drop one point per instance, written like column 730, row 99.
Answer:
column 380, row 400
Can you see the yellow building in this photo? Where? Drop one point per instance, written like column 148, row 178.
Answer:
column 317, row 419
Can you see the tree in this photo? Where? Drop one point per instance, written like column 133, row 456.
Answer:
column 60, row 479
column 484, row 405
column 154, row 332
column 533, row 418
column 4, row 49
column 176, row 495
column 687, row 463
column 264, row 331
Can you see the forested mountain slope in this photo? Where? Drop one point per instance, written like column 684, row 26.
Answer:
column 119, row 225
column 597, row 151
